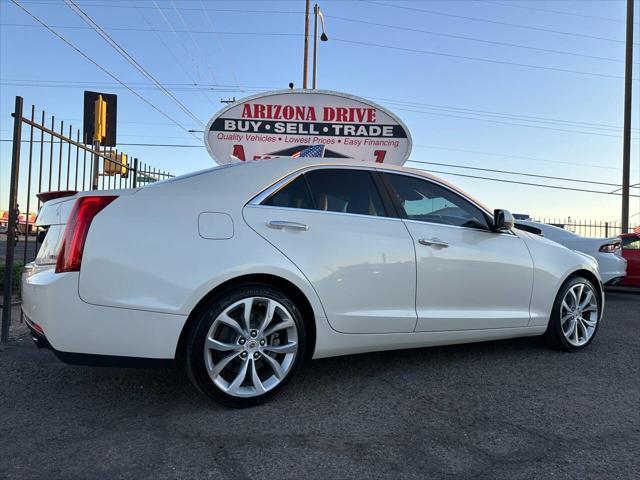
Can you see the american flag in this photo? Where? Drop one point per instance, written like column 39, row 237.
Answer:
column 637, row 229
column 315, row 151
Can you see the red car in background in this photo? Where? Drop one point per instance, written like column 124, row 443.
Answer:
column 631, row 251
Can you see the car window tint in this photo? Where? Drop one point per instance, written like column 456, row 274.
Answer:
column 294, row 195
column 346, row 191
column 427, row 202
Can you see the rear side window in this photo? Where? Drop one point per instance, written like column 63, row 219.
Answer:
column 293, row 195
column 427, row 202
column 345, row 191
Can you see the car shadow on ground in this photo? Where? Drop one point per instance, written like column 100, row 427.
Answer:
column 157, row 385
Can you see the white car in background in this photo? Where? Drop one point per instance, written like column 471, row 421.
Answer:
column 260, row 266
column 607, row 251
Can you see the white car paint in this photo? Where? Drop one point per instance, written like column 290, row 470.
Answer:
column 611, row 265
column 155, row 252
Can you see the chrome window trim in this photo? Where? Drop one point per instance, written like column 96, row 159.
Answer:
column 324, row 212
column 508, row 233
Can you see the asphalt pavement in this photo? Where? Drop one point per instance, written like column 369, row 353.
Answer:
column 500, row 410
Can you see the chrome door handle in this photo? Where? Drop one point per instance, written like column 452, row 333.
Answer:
column 282, row 224
column 433, row 242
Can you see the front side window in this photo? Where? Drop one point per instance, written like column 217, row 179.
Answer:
column 427, row 202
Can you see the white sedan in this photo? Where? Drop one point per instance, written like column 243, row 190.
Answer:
column 606, row 251
column 241, row 273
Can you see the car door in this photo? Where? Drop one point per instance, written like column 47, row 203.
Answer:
column 468, row 277
column 631, row 252
column 334, row 225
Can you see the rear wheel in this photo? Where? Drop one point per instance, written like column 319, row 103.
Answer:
column 576, row 315
column 246, row 346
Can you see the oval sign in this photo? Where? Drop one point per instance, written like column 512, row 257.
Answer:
column 307, row 123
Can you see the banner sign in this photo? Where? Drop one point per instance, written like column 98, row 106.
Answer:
column 307, row 123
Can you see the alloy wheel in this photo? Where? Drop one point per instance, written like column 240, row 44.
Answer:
column 251, row 346
column 579, row 314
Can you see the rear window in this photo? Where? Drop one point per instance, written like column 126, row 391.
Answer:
column 48, row 253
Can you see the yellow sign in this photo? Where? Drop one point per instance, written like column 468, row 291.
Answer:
column 100, row 121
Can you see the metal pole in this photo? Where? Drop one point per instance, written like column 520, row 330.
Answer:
column 315, row 44
column 96, row 164
column 135, row 173
column 626, row 147
column 13, row 218
column 305, row 66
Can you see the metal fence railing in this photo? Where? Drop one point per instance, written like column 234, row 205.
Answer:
column 48, row 156
column 585, row 228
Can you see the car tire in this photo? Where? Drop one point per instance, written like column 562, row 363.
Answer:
column 224, row 354
column 576, row 315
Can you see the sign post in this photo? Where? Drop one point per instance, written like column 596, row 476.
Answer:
column 307, row 123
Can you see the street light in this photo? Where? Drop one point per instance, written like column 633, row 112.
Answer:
column 323, row 38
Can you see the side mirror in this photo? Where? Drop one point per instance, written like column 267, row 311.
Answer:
column 502, row 220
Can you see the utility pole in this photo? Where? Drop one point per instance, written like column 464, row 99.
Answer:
column 315, row 44
column 305, row 66
column 626, row 147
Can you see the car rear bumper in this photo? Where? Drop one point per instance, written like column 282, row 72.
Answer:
column 91, row 360
column 76, row 330
column 612, row 268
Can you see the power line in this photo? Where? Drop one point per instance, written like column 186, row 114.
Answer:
column 68, row 43
column 495, row 22
column 510, row 172
column 175, row 30
column 439, row 112
column 401, row 103
column 602, row 126
column 183, row 87
column 517, row 157
column 220, row 44
column 369, row 44
column 173, row 55
column 557, row 187
column 193, row 40
column 509, row 123
column 558, row 12
column 478, row 59
column 475, row 39
column 184, row 9
column 178, row 39
column 129, row 58
column 441, row 172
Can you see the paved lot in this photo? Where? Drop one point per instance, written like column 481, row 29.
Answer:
column 19, row 249
column 511, row 409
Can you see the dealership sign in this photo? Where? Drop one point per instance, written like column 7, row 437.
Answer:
column 307, row 123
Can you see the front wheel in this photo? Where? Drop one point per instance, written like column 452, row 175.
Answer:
column 575, row 317
column 246, row 346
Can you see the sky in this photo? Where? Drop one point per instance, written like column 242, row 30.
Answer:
column 534, row 87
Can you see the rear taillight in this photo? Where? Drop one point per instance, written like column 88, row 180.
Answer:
column 610, row 247
column 75, row 233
